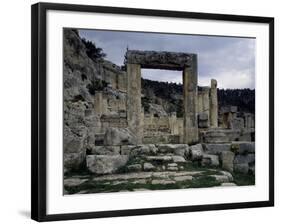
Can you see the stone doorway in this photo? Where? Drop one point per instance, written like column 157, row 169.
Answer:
column 185, row 62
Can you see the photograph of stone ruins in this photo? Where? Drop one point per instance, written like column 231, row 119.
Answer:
column 152, row 111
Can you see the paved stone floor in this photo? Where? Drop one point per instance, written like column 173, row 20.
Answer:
column 135, row 181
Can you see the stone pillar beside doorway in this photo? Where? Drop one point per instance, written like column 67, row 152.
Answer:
column 213, row 104
column 134, row 111
column 190, row 125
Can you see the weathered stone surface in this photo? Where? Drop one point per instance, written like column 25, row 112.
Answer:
column 148, row 167
column 210, row 160
column 163, row 182
column 196, row 152
column 172, row 164
column 243, row 147
column 159, row 59
column 74, row 138
column 117, row 182
column 237, row 123
column 148, row 149
column 190, row 98
column 126, row 149
column 213, row 104
column 216, row 149
column 104, row 164
column 229, row 109
column 227, row 158
column 228, row 174
column 203, row 120
column 249, row 158
column 105, row 150
column 157, row 109
column 127, row 176
column 219, row 135
column 172, row 168
column 119, row 136
column 73, row 161
column 177, row 149
column 159, row 158
column 247, row 135
column 178, row 159
column 140, row 181
column 183, row 178
column 73, row 182
column 134, row 167
column 134, row 109
column 241, row 168
column 222, row 178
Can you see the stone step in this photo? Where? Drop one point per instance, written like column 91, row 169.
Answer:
column 137, row 150
column 136, row 181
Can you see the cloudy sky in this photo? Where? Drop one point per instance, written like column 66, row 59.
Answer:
column 230, row 60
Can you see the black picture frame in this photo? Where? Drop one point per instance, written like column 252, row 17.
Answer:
column 39, row 107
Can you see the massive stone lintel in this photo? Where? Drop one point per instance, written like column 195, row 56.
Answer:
column 159, row 59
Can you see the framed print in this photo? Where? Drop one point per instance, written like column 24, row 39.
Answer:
column 139, row 111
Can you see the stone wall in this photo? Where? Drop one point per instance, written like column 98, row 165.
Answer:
column 234, row 157
column 168, row 129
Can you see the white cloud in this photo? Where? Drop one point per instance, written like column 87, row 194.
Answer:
column 230, row 60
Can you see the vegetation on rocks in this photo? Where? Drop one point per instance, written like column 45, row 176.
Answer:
column 92, row 50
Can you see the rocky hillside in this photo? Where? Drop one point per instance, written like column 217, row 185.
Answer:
column 170, row 96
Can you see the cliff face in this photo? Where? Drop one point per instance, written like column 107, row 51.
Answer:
column 83, row 78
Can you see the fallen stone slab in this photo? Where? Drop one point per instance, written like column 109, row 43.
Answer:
column 159, row 158
column 229, row 175
column 210, row 160
column 134, row 167
column 196, row 152
column 147, row 149
column 73, row 182
column 249, row 158
column 243, row 147
column 178, row 159
column 176, row 149
column 216, row 149
column 221, row 178
column 148, row 167
column 119, row 136
column 105, row 164
column 183, row 178
column 228, row 184
column 127, row 176
column 172, row 168
column 162, row 182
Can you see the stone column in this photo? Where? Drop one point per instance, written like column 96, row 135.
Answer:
column 134, row 112
column 213, row 104
column 190, row 124
column 98, row 99
column 206, row 103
